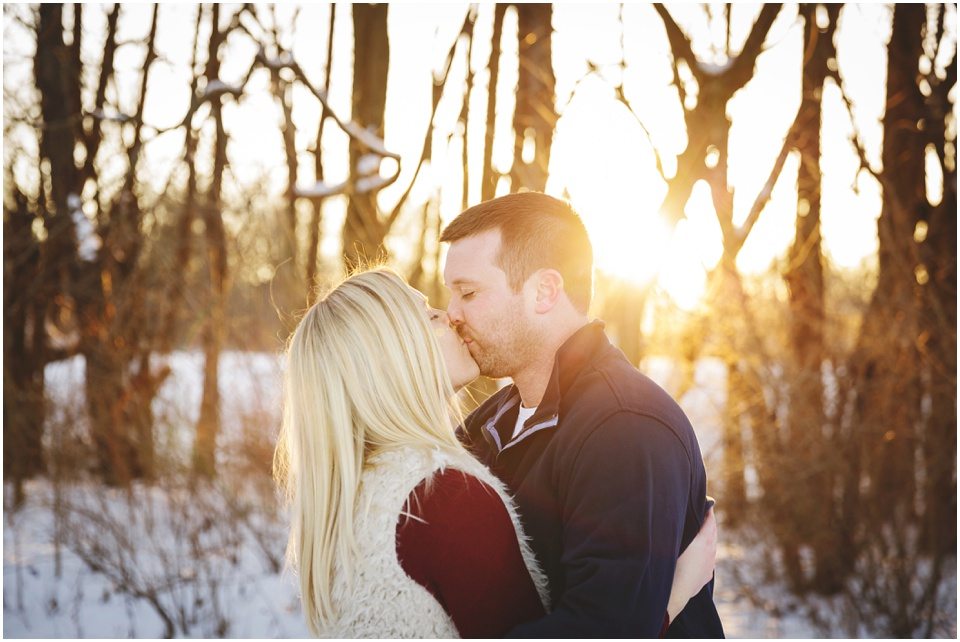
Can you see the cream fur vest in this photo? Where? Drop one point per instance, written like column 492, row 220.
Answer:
column 379, row 600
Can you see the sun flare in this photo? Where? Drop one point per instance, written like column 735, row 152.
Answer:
column 606, row 167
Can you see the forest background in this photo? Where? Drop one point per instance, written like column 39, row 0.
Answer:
column 771, row 194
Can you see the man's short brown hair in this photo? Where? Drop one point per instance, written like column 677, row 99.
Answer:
column 536, row 231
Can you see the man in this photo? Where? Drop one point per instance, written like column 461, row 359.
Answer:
column 604, row 465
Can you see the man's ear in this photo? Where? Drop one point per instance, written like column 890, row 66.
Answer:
column 549, row 285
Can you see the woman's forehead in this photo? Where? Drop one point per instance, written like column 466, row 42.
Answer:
column 420, row 296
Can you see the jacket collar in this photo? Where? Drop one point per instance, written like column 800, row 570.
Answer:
column 575, row 353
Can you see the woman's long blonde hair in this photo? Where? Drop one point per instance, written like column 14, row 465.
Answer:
column 365, row 373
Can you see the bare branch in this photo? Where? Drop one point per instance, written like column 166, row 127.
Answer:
column 763, row 196
column 741, row 69
column 465, row 107
column 490, row 175
column 890, row 193
column 727, row 10
column 679, row 39
column 679, row 45
column 622, row 97
column 855, row 137
column 367, row 140
column 92, row 138
column 621, row 94
column 313, row 248
column 134, row 150
column 439, row 86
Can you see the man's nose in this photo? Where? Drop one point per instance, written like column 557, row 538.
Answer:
column 454, row 314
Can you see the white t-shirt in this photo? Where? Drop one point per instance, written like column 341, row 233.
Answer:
column 522, row 415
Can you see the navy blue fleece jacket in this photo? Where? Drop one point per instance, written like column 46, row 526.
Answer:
column 611, row 488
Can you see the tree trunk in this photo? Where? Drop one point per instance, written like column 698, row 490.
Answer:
column 488, row 185
column 887, row 362
column 316, row 216
column 116, row 339
column 742, row 396
column 289, row 279
column 364, row 229
column 464, row 118
column 705, row 157
column 938, row 324
column 184, row 233
column 208, row 425
column 23, row 347
column 535, row 115
column 284, row 94
column 57, row 139
column 813, row 472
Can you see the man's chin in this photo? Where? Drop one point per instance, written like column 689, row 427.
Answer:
column 491, row 371
column 490, row 368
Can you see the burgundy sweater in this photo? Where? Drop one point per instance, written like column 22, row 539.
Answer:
column 465, row 552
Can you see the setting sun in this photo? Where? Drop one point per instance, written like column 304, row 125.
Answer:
column 605, row 164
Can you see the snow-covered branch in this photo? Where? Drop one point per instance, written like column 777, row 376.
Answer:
column 216, row 88
column 321, row 190
column 116, row 117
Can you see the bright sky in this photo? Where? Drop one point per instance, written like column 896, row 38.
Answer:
column 601, row 157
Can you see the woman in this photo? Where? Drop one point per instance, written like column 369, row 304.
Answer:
column 396, row 530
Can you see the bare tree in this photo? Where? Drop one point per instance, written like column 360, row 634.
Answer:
column 812, row 494
column 187, row 214
column 903, row 402
column 24, row 345
column 208, row 425
column 886, row 363
column 282, row 91
column 705, row 158
column 313, row 247
column 102, row 289
column 364, row 228
column 794, row 455
column 488, row 187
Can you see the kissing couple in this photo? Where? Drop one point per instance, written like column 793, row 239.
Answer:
column 572, row 503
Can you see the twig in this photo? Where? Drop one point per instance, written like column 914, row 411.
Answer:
column 763, row 196
column 439, row 87
column 622, row 96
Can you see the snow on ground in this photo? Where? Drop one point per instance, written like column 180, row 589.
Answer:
column 145, row 553
column 209, row 561
column 89, row 562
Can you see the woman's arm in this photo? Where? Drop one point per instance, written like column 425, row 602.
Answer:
column 694, row 567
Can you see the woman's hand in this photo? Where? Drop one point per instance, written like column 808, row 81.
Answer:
column 694, row 567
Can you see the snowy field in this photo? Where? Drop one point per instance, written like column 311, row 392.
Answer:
column 79, row 561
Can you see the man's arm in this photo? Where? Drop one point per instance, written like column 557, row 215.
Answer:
column 623, row 504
